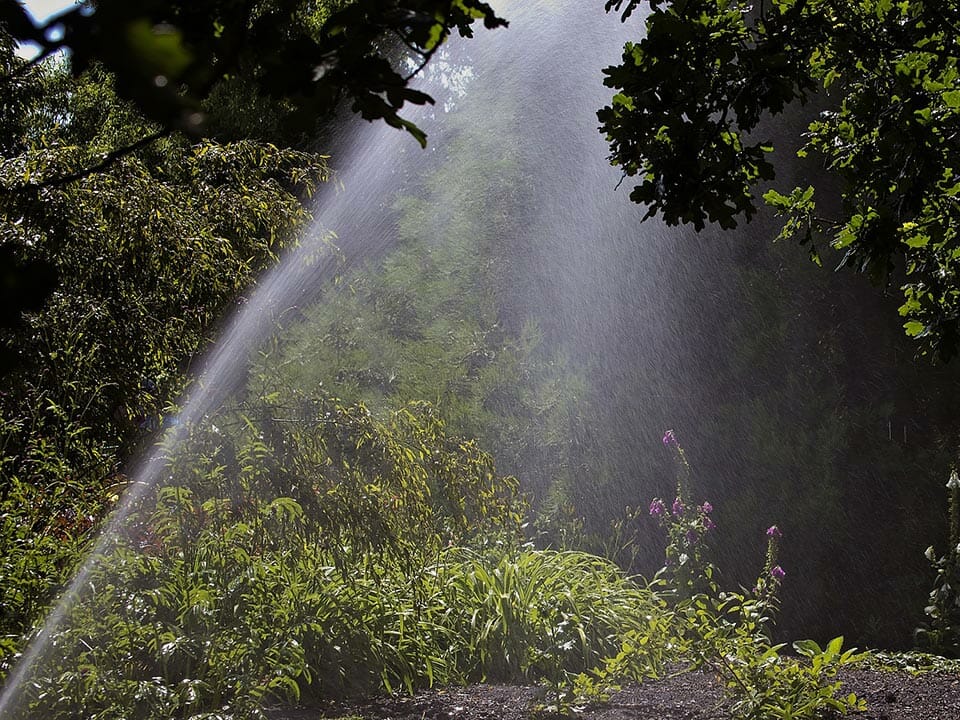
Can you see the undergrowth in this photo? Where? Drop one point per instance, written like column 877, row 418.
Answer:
column 223, row 598
column 296, row 561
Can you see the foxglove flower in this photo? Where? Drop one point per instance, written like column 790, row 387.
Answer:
column 774, row 532
column 953, row 483
column 777, row 572
column 678, row 507
column 657, row 508
column 669, row 439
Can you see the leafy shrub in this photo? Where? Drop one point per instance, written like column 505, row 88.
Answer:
column 725, row 633
column 211, row 626
column 148, row 254
column 43, row 535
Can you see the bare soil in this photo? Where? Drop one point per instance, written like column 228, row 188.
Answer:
column 890, row 695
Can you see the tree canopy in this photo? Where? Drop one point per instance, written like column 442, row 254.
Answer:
column 168, row 57
column 689, row 121
column 266, row 70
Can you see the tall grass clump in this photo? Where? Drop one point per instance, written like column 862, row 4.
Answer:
column 542, row 615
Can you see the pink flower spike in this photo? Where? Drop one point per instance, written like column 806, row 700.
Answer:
column 678, row 507
column 774, row 532
column 669, row 439
column 657, row 508
column 706, row 507
column 777, row 572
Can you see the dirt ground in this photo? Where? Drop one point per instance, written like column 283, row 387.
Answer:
column 890, row 695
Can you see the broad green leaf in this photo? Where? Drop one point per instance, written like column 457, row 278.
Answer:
column 834, row 646
column 951, row 98
column 807, row 648
column 623, row 100
column 917, row 241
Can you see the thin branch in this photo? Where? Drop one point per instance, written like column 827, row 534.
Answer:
column 733, row 673
column 407, row 42
column 108, row 160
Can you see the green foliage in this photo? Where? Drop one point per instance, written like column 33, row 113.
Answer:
column 726, row 634
column 687, row 121
column 169, row 57
column 267, row 570
column 266, row 70
column 778, row 687
column 681, row 126
column 25, row 282
column 304, row 548
column 287, row 549
column 942, row 634
column 218, row 629
column 43, row 532
column 399, row 485
column 149, row 254
column 913, row 662
column 541, row 615
column 729, row 632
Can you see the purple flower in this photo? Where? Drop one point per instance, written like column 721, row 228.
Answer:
column 706, row 508
column 678, row 507
column 708, row 523
column 669, row 439
column 692, row 536
column 774, row 532
column 657, row 508
column 777, row 572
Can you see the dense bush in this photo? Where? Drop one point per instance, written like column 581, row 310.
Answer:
column 147, row 253
column 336, row 554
